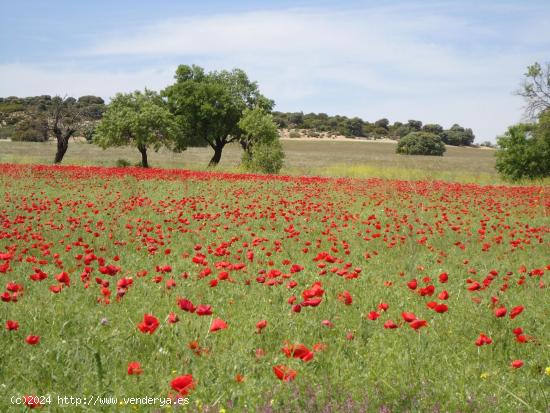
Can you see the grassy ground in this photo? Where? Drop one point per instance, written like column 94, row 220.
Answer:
column 326, row 158
column 266, row 241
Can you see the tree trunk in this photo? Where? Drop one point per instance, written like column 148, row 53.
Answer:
column 218, row 148
column 62, row 146
column 143, row 150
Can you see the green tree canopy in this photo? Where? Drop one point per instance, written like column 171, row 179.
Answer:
column 260, row 141
column 139, row 119
column 524, row 150
column 257, row 126
column 458, row 136
column 421, row 143
column 210, row 105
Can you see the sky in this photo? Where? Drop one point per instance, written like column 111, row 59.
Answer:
column 439, row 62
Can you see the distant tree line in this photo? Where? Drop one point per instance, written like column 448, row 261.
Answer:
column 357, row 127
column 32, row 118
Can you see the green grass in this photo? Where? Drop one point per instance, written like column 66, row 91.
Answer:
column 86, row 345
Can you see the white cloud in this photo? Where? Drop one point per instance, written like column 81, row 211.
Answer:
column 401, row 62
column 31, row 80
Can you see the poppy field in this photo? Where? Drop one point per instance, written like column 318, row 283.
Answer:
column 261, row 293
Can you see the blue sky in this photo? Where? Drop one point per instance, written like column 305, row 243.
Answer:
column 439, row 62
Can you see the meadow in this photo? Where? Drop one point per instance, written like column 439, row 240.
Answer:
column 233, row 292
column 303, row 157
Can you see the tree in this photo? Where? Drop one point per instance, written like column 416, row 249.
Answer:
column 354, row 127
column 91, row 107
column 524, row 151
column 433, row 128
column 382, row 123
column 139, row 119
column 414, row 125
column 209, row 106
column 535, row 89
column 458, row 136
column 63, row 119
column 421, row 143
column 263, row 151
column 257, row 126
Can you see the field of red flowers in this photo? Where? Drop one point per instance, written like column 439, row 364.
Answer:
column 255, row 293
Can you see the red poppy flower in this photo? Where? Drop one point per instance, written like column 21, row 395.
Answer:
column 284, row 373
column 32, row 402
column 373, row 315
column 173, row 318
column 63, row 278
column 12, row 325
column 183, row 384
column 383, row 306
column 186, row 305
column 298, row 351
column 345, row 298
column 32, row 340
column 520, row 338
column 517, row 364
column 149, row 324
column 390, row 324
column 516, row 311
column 500, row 312
column 204, row 310
column 482, row 340
column 260, row 325
column 416, row 324
column 441, row 308
column 218, row 324
column 134, row 368
column 312, row 302
column 408, row 317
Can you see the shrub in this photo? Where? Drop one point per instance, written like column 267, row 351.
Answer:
column 123, row 163
column 88, row 132
column 421, row 143
column 265, row 158
column 293, row 134
column 7, row 131
column 31, row 130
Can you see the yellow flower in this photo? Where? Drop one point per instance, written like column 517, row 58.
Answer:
column 547, row 371
column 222, row 410
column 484, row 376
